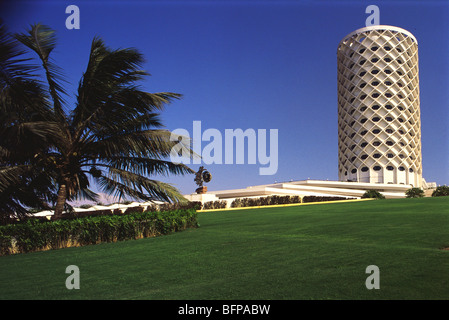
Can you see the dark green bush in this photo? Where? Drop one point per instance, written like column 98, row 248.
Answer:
column 373, row 194
column 36, row 234
column 214, row 205
column 414, row 193
column 441, row 191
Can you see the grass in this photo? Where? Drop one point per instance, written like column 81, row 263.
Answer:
column 303, row 252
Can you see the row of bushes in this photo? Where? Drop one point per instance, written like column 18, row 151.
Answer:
column 323, row 198
column 275, row 200
column 136, row 209
column 5, row 220
column 36, row 234
column 264, row 201
column 440, row 191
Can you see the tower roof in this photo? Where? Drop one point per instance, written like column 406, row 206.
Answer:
column 380, row 27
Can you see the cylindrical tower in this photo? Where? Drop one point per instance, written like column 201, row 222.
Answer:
column 379, row 127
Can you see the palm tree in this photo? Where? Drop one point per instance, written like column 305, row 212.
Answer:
column 112, row 135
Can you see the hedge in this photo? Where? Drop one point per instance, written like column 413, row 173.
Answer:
column 264, row 201
column 37, row 234
column 323, row 198
column 273, row 200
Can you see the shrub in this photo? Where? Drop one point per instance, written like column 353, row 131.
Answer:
column 373, row 194
column 441, row 191
column 236, row 203
column 215, row 205
column 414, row 193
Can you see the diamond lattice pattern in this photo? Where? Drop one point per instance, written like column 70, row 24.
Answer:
column 379, row 130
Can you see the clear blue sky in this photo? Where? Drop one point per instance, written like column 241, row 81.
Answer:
column 254, row 64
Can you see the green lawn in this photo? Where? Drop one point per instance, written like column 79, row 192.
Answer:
column 302, row 252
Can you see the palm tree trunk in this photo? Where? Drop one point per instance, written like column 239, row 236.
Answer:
column 60, row 202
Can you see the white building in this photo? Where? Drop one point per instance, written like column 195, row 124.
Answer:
column 379, row 127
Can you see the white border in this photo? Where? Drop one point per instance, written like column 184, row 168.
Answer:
column 379, row 27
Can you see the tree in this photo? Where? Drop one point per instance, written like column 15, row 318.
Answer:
column 112, row 135
column 414, row 193
column 373, row 194
column 441, row 191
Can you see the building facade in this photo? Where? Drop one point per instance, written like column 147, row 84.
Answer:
column 379, row 127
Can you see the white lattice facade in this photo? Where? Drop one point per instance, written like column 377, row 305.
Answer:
column 379, row 129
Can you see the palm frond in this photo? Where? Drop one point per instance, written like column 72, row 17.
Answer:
column 23, row 187
column 29, row 134
column 155, row 144
column 12, row 63
column 42, row 40
column 121, row 183
column 10, row 175
column 145, row 166
column 21, row 94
